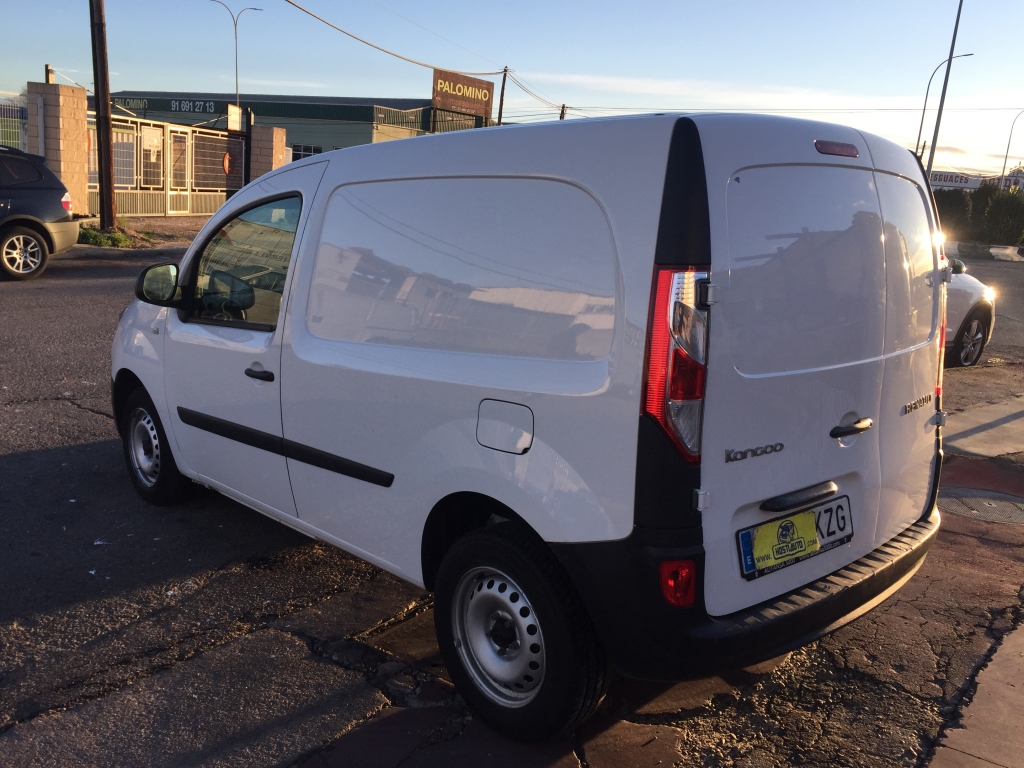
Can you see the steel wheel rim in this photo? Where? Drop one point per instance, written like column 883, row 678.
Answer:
column 22, row 254
column 971, row 343
column 144, row 447
column 498, row 637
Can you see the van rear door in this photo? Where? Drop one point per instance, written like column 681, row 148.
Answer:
column 795, row 349
column 906, row 420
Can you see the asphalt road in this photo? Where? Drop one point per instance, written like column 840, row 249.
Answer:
column 207, row 634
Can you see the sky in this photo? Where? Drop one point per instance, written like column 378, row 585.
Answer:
column 864, row 64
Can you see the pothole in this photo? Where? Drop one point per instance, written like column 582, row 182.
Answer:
column 990, row 506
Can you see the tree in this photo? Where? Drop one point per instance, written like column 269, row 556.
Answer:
column 955, row 206
column 1004, row 217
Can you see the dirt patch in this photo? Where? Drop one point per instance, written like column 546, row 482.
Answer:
column 167, row 229
column 990, row 383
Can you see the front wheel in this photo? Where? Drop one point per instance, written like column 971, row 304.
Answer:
column 147, row 454
column 514, row 635
column 23, row 253
column 970, row 343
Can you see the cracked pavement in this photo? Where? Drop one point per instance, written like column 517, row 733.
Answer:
column 207, row 634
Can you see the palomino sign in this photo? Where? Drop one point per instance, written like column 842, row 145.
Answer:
column 458, row 93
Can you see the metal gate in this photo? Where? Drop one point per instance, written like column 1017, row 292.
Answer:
column 13, row 121
column 165, row 169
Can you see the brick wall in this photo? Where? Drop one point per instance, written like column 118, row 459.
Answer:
column 65, row 136
column 269, row 150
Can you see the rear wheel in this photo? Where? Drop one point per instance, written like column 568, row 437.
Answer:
column 970, row 343
column 514, row 635
column 147, row 454
column 23, row 253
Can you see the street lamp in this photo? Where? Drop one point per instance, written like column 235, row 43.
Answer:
column 1007, row 155
column 925, row 107
column 234, row 20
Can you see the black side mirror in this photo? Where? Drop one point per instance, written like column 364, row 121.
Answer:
column 958, row 267
column 159, row 285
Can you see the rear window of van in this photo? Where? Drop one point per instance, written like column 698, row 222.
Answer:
column 806, row 283
column 518, row 267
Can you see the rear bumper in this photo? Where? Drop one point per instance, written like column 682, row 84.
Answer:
column 63, row 233
column 647, row 638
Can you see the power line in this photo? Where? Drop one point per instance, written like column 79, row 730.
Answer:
column 787, row 109
column 541, row 99
column 379, row 48
column 435, row 34
column 423, row 63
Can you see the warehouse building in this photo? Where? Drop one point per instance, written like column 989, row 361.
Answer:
column 314, row 124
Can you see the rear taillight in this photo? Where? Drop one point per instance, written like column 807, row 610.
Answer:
column 677, row 359
column 678, row 582
column 65, row 201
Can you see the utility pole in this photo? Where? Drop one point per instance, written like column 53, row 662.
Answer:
column 104, row 134
column 942, row 99
column 561, row 115
column 501, row 101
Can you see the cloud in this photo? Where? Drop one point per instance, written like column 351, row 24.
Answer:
column 952, row 150
column 694, row 94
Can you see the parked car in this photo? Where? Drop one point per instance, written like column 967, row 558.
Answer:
column 656, row 394
column 970, row 317
column 35, row 215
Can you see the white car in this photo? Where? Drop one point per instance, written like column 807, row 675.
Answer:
column 970, row 317
column 656, row 394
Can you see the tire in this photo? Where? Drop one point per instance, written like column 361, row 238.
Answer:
column 524, row 655
column 147, row 453
column 23, row 254
column 970, row 341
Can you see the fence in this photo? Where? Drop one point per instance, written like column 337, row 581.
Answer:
column 13, row 121
column 165, row 169
column 429, row 119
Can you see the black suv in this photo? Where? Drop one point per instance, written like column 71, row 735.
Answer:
column 35, row 215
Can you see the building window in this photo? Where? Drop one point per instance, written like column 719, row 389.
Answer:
column 300, row 151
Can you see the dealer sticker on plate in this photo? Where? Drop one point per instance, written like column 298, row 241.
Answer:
column 788, row 540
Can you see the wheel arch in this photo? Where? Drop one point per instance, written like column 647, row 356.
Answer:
column 34, row 224
column 983, row 308
column 124, row 383
column 453, row 517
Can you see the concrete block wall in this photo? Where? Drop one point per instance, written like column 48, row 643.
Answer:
column 65, row 142
column 269, row 149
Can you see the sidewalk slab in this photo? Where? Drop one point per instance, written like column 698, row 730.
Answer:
column 980, row 474
column 987, row 430
column 992, row 730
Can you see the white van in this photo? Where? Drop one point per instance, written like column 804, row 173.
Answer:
column 654, row 394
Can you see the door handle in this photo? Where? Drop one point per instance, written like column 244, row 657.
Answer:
column 261, row 375
column 852, row 429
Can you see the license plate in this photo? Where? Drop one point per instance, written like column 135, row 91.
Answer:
column 787, row 540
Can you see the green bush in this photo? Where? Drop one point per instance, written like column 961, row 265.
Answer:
column 955, row 207
column 90, row 236
column 984, row 215
column 1004, row 218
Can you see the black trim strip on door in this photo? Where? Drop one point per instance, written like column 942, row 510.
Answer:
column 287, row 448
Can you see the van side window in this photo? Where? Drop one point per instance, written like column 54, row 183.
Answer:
column 242, row 270
column 516, row 267
column 910, row 264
